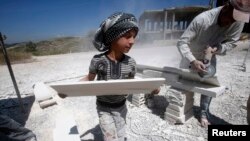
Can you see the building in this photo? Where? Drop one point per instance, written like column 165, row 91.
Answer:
column 168, row 23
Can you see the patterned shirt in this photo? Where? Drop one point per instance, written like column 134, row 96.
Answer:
column 106, row 69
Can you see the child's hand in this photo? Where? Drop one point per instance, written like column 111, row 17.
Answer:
column 156, row 91
column 62, row 95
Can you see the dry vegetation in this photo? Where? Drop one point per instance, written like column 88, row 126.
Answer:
column 22, row 52
column 63, row 45
column 16, row 57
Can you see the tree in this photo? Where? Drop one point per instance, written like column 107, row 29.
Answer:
column 30, row 47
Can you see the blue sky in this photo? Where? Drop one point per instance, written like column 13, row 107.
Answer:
column 34, row 20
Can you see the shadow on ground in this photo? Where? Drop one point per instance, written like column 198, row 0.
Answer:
column 96, row 132
column 160, row 105
column 213, row 119
column 10, row 107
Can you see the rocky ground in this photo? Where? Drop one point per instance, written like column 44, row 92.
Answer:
column 143, row 124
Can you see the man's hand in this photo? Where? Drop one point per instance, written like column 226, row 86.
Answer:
column 210, row 50
column 198, row 66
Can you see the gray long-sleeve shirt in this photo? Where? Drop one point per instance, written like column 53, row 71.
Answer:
column 203, row 31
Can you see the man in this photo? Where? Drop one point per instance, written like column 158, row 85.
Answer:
column 218, row 28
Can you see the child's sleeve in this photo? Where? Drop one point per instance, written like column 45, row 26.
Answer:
column 133, row 64
column 92, row 66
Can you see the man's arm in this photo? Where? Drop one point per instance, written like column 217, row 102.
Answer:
column 184, row 42
column 231, row 38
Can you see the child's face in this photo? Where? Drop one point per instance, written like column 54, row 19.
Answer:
column 125, row 42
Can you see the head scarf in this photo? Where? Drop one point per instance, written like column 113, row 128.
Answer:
column 113, row 28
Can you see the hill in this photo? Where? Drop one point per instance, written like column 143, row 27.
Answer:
column 63, row 45
column 22, row 52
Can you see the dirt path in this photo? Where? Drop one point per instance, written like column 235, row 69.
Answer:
column 142, row 123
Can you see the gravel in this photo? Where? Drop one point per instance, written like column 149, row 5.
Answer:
column 143, row 124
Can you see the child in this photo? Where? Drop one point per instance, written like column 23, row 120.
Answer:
column 114, row 38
